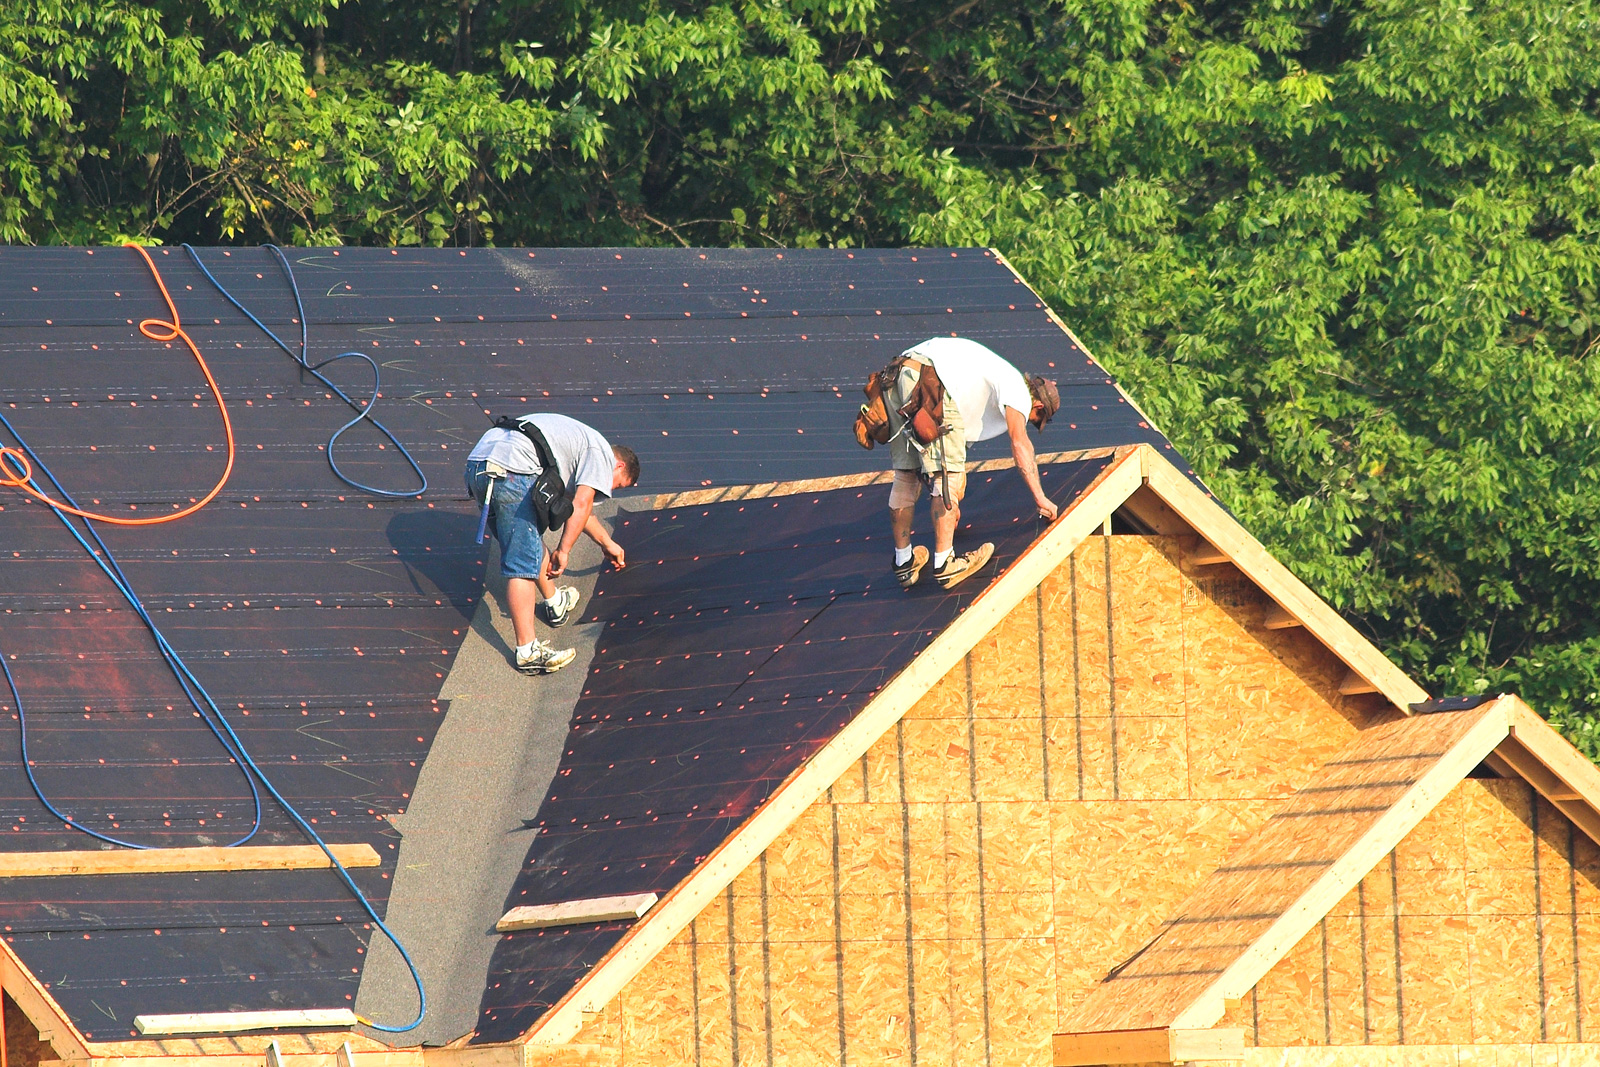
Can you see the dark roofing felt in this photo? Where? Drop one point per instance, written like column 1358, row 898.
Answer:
column 332, row 617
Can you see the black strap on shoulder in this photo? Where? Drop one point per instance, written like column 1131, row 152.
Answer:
column 547, row 459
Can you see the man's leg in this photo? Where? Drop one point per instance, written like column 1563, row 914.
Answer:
column 950, row 569
column 908, row 560
column 946, row 517
column 522, row 561
column 900, row 523
column 522, row 594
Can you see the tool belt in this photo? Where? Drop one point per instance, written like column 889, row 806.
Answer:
column 923, row 411
column 552, row 505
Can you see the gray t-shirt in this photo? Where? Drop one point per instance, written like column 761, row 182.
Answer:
column 582, row 456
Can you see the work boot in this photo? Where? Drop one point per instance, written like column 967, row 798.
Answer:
column 543, row 659
column 558, row 609
column 957, row 568
column 908, row 572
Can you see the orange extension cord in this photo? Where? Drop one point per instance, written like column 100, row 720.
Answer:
column 16, row 472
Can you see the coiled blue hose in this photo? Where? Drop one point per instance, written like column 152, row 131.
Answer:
column 363, row 412
column 212, row 715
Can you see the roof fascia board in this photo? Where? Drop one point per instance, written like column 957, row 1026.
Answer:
column 1561, row 774
column 41, row 1008
column 802, row 788
column 1239, row 977
column 1290, row 593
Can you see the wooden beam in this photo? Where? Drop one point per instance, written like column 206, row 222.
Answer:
column 180, row 860
column 1560, row 773
column 1355, row 685
column 1151, row 512
column 1279, row 619
column 1326, row 625
column 1207, row 556
column 233, row 1022
column 1162, row 1045
column 576, row 912
column 802, row 788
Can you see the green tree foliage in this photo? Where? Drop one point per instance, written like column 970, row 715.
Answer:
column 1343, row 250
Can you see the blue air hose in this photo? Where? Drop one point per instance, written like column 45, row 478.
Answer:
column 193, row 691
column 103, row 557
column 363, row 411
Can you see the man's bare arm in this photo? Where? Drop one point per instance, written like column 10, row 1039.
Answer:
column 1022, row 454
column 601, row 536
column 582, row 512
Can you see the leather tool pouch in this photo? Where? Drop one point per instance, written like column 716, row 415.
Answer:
column 872, row 423
column 925, row 409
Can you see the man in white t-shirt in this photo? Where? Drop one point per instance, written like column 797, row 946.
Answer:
column 984, row 397
column 502, row 467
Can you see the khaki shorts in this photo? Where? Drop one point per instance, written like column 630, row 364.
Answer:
column 907, row 488
column 949, row 452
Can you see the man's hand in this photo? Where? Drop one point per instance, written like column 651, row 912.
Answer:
column 614, row 553
column 558, row 562
column 1022, row 454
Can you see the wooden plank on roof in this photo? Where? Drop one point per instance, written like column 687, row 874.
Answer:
column 576, row 912
column 230, row 1022
column 1279, row 883
column 180, row 860
column 718, row 494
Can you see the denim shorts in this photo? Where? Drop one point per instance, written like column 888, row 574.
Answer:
column 515, row 525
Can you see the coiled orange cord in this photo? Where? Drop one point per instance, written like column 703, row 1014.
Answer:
column 16, row 472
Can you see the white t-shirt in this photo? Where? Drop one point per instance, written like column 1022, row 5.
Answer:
column 582, row 455
column 982, row 384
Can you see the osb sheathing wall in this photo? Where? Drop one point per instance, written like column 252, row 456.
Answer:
column 1496, row 893
column 1022, row 830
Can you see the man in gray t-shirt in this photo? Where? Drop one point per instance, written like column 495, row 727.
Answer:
column 501, row 470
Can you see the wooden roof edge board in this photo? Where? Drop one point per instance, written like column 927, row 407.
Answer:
column 1158, row 1045
column 55, row 1028
column 1387, row 831
column 1222, row 532
column 574, row 912
column 684, row 901
column 181, row 860
column 1549, row 762
column 761, row 490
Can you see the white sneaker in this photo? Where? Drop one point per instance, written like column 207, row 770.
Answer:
column 558, row 611
column 543, row 659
